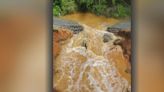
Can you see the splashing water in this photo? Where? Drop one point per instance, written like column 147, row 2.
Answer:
column 83, row 66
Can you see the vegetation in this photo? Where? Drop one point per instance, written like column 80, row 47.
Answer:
column 109, row 8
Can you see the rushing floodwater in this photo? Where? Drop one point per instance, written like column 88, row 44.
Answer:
column 91, row 20
column 84, row 64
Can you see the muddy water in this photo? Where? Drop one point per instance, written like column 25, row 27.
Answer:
column 88, row 64
column 91, row 20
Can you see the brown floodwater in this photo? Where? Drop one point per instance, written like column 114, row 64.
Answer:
column 92, row 20
column 88, row 64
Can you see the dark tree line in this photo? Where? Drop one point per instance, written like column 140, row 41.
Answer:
column 109, row 8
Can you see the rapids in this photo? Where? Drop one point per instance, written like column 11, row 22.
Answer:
column 84, row 64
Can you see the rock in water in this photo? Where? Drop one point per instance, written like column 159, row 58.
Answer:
column 106, row 38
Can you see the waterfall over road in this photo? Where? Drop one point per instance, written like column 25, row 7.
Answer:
column 84, row 64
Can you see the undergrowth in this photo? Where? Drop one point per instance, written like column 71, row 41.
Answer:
column 108, row 8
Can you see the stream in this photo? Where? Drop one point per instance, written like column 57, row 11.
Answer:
column 89, row 61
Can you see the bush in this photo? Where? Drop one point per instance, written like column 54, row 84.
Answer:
column 56, row 11
column 121, row 11
column 68, row 6
column 109, row 8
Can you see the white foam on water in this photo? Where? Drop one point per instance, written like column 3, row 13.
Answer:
column 109, row 79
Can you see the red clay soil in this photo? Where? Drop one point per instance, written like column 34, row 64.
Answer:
column 125, row 43
column 58, row 36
